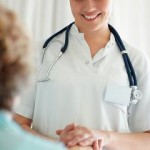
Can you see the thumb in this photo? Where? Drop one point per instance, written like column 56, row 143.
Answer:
column 97, row 145
column 58, row 132
column 70, row 127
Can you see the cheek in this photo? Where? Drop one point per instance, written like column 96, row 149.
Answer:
column 76, row 13
column 75, row 7
column 107, row 10
column 106, row 7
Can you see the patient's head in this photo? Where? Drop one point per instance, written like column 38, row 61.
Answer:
column 15, row 58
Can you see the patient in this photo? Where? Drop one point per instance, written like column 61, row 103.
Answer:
column 15, row 72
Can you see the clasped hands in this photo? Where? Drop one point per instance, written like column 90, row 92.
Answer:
column 75, row 135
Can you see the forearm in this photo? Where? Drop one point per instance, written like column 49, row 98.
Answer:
column 30, row 130
column 129, row 141
column 81, row 148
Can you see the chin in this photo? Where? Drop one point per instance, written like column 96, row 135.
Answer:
column 93, row 28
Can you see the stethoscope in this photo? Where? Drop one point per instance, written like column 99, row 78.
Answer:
column 135, row 94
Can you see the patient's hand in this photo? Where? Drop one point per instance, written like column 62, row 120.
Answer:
column 93, row 146
column 68, row 128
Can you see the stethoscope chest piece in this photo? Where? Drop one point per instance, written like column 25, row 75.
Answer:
column 136, row 95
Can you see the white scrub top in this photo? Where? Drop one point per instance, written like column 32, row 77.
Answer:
column 92, row 92
column 12, row 137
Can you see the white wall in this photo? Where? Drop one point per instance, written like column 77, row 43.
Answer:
column 44, row 17
column 132, row 19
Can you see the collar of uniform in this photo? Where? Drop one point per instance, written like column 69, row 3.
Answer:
column 102, row 52
column 106, row 50
column 75, row 32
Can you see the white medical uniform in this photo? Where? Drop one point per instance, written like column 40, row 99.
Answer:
column 92, row 92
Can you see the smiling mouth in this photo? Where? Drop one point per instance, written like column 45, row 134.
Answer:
column 91, row 17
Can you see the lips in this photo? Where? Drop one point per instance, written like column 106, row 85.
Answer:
column 91, row 17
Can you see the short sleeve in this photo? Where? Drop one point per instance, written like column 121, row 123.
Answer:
column 26, row 105
column 139, row 114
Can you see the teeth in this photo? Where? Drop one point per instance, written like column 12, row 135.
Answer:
column 90, row 17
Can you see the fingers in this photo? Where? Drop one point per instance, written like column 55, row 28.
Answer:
column 58, row 132
column 67, row 129
column 87, row 142
column 79, row 134
column 70, row 127
column 100, row 144
column 65, row 138
column 96, row 145
column 74, row 137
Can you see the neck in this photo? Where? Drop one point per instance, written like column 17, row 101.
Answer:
column 97, row 39
column 102, row 34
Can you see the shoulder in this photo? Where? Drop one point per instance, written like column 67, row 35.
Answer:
column 59, row 39
column 140, row 62
column 14, row 135
column 137, row 56
column 52, row 49
column 56, row 40
column 17, row 137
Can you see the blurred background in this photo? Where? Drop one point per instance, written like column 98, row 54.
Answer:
column 44, row 17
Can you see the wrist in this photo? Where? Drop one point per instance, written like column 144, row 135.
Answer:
column 112, row 137
column 105, row 138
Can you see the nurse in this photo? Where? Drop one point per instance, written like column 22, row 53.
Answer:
column 89, row 86
column 15, row 72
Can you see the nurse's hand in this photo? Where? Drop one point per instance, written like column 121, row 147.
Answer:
column 67, row 129
column 77, row 147
column 83, row 136
column 77, row 135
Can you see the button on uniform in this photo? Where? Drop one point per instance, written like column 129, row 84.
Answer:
column 87, row 62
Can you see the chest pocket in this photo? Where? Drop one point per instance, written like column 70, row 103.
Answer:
column 118, row 94
column 118, row 91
